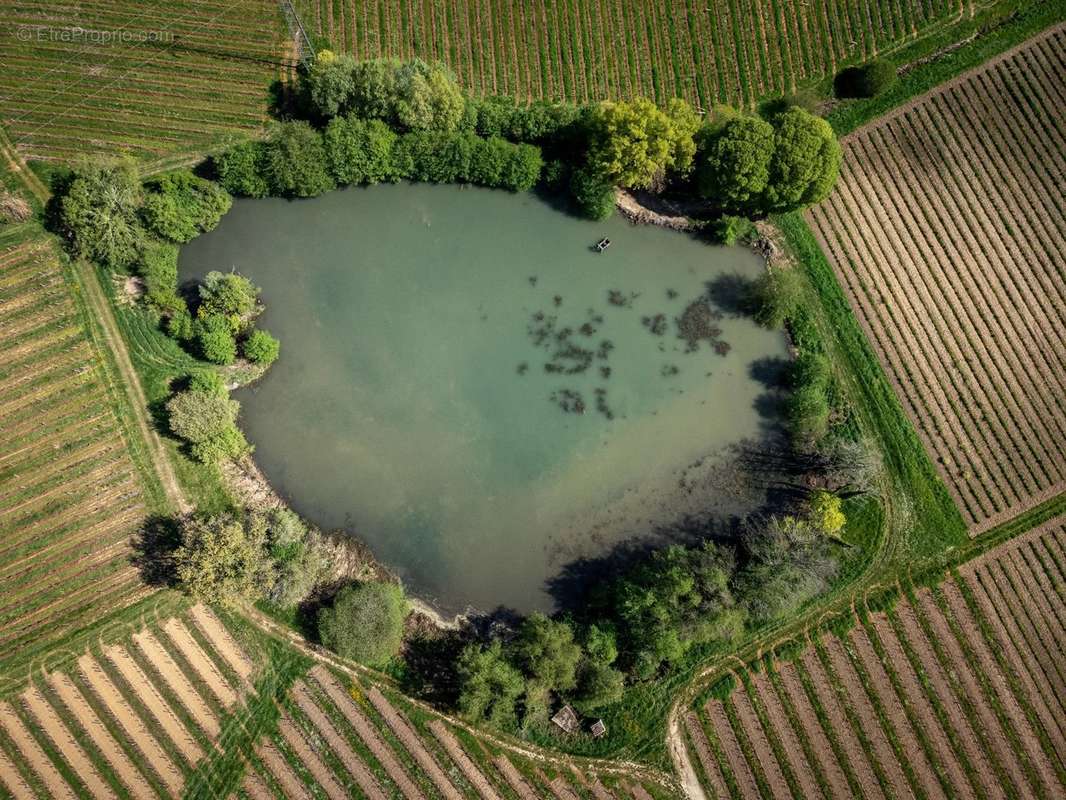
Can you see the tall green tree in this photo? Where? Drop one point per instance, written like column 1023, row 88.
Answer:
column 547, row 652
column 806, row 161
column 294, row 161
column 99, row 213
column 365, row 622
column 735, row 163
column 221, row 560
column 635, row 144
column 489, row 686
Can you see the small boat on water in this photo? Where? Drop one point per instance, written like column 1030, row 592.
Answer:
column 603, row 244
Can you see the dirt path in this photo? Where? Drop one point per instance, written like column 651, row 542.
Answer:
column 104, row 742
column 738, row 763
column 33, row 756
column 204, row 666
column 514, row 779
column 675, row 742
column 116, row 345
column 178, row 682
column 155, row 704
column 131, row 723
column 322, row 774
column 352, row 762
column 413, row 743
column 367, row 733
column 221, row 640
column 71, row 751
column 782, row 728
column 458, row 755
column 291, row 785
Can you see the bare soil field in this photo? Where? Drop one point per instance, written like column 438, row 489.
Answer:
column 947, row 232
column 956, row 691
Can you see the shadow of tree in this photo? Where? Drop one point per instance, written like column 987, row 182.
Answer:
column 153, row 550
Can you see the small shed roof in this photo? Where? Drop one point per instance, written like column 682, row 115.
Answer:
column 567, row 719
column 598, row 728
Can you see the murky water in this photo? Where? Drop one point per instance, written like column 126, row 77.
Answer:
column 439, row 345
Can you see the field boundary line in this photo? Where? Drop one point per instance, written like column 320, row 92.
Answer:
column 112, row 339
column 940, row 88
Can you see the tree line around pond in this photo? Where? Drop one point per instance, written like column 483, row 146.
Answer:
column 384, row 120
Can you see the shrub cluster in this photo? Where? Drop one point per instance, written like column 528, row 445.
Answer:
column 235, row 558
column 641, row 623
column 365, row 622
column 748, row 165
column 205, row 417
column 298, row 161
column 866, row 80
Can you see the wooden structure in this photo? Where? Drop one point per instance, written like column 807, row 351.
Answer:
column 598, row 729
column 603, row 244
column 567, row 720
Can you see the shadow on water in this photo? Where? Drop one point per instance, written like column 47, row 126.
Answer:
column 728, row 293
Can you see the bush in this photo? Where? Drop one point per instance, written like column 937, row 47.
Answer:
column 729, row 230
column 294, row 161
column 463, row 157
column 180, row 325
column 207, row 421
column 826, row 513
column 298, row 556
column 365, row 622
column 735, row 163
column 99, row 214
column 158, row 267
column 180, row 205
column 807, row 408
column 241, row 170
column 547, row 652
column 230, row 296
column 867, row 80
column 489, row 687
column 805, row 163
column 207, row 382
column 773, row 297
column 220, row 560
column 359, row 151
column 593, row 195
column 214, row 338
column 261, row 348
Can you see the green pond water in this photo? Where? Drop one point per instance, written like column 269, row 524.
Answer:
column 439, row 345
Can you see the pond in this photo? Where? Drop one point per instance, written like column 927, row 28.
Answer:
column 469, row 387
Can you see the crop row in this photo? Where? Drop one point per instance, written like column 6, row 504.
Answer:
column 954, row 692
column 126, row 720
column 70, row 500
column 946, row 231
column 734, row 51
column 125, row 76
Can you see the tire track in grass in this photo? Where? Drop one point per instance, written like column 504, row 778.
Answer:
column 414, row 744
column 34, row 756
column 366, row 732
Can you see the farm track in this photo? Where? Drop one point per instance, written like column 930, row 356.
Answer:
column 948, row 243
column 726, row 51
column 946, row 694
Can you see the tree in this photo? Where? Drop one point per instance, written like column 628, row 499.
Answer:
column 593, row 195
column 806, row 161
column 685, row 123
column 728, row 230
column 735, row 163
column 214, row 338
column 231, row 296
column 294, row 161
column 786, row 563
column 221, row 560
column 867, row 80
column 489, row 686
column 298, row 554
column 428, row 97
column 242, row 171
column 599, row 684
column 261, row 348
column 330, row 83
column 826, row 513
column 807, row 409
column 359, row 151
column 180, row 205
column 634, row 144
column 365, row 622
column 773, row 297
column 207, row 421
column 547, row 652
column 158, row 266
column 99, row 213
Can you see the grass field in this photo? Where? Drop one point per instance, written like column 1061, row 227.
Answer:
column 735, row 51
column 954, row 692
column 946, row 231
column 154, row 79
